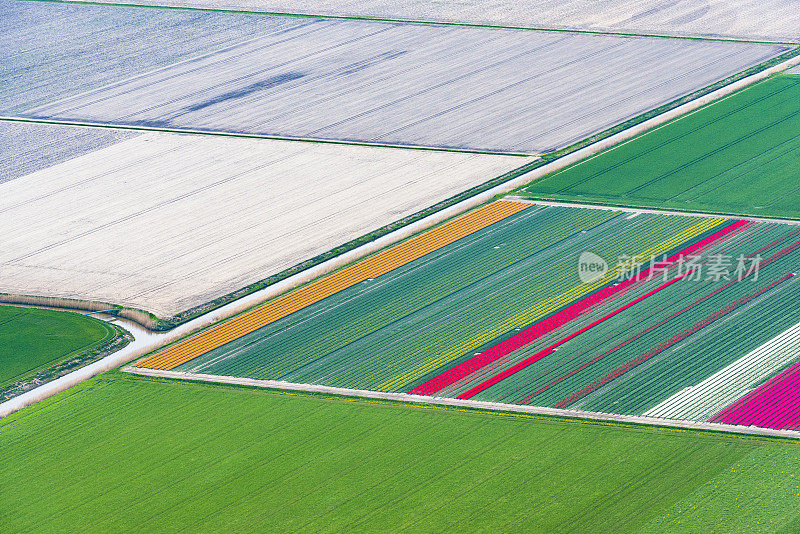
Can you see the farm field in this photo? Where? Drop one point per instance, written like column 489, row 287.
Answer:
column 456, row 299
column 678, row 334
column 332, row 313
column 32, row 339
column 489, row 89
column 167, row 454
column 501, row 315
column 27, row 148
column 51, row 50
column 776, row 20
column 711, row 396
column 739, row 155
column 254, row 206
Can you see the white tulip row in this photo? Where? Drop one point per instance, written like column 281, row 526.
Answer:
column 704, row 400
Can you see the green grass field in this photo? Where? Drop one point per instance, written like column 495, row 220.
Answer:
column 740, row 155
column 31, row 339
column 123, row 453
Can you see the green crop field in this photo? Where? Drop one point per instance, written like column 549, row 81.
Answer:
column 173, row 455
column 31, row 339
column 740, row 155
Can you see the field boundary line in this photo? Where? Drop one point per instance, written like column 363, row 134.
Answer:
column 244, row 135
column 465, row 403
column 632, row 209
column 397, row 20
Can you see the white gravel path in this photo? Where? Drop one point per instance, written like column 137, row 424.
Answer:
column 483, row 405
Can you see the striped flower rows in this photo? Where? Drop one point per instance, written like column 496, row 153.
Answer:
column 391, row 332
column 704, row 400
column 676, row 349
column 490, row 307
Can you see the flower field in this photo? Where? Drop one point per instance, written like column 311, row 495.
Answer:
column 391, row 332
column 491, row 307
column 775, row 404
column 671, row 346
column 330, row 285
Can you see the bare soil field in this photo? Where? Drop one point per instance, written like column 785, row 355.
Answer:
column 486, row 89
column 167, row 222
column 773, row 20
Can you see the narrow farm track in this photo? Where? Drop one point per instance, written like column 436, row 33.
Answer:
column 370, row 268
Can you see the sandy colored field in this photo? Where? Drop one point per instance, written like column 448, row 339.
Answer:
column 166, row 222
column 416, row 84
column 776, row 20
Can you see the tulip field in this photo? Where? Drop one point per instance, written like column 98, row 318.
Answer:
column 498, row 312
column 390, row 331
